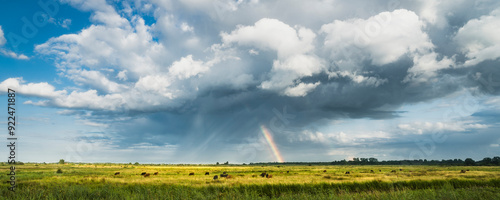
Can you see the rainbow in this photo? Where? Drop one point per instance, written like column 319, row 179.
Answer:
column 272, row 145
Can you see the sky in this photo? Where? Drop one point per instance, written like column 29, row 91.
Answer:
column 205, row 81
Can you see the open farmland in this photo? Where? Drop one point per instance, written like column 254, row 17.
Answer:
column 98, row 181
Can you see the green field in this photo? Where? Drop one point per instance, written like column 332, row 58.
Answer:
column 97, row 181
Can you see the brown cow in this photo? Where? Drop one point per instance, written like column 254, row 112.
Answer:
column 117, row 173
column 462, row 171
column 156, row 173
column 191, row 174
column 229, row 176
column 143, row 173
column 207, row 173
column 324, row 170
column 146, row 175
column 394, row 171
column 269, row 176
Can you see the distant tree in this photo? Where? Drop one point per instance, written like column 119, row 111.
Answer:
column 486, row 161
column 217, row 163
column 136, row 163
column 372, row 160
column 226, row 163
column 495, row 160
column 470, row 162
column 61, row 161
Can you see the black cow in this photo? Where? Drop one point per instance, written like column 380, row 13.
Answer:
column 207, row 173
column 143, row 173
column 371, row 171
column 224, row 175
column 156, row 173
column 263, row 174
column 191, row 174
column 216, row 177
column 117, row 173
column 347, row 172
column 462, row 171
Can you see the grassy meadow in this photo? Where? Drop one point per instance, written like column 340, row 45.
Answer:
column 98, row 181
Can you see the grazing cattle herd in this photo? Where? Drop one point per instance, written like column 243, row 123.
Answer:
column 263, row 174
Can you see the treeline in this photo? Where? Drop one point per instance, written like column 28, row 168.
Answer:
column 495, row 161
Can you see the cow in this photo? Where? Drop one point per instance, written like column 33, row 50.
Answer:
column 117, row 173
column 324, row 170
column 347, row 172
column 191, row 174
column 467, row 170
column 224, row 175
column 400, row 169
column 156, row 173
column 269, row 176
column 224, row 172
column 393, row 171
column 216, row 177
column 462, row 171
column 263, row 174
column 146, row 175
column 143, row 173
column 379, row 170
column 287, row 172
column 229, row 176
column 207, row 173
column 371, row 171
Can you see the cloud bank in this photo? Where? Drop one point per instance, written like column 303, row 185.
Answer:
column 205, row 75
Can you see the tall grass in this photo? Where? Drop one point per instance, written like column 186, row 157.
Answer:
column 303, row 182
column 408, row 189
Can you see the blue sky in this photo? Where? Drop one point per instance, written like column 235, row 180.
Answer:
column 195, row 81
